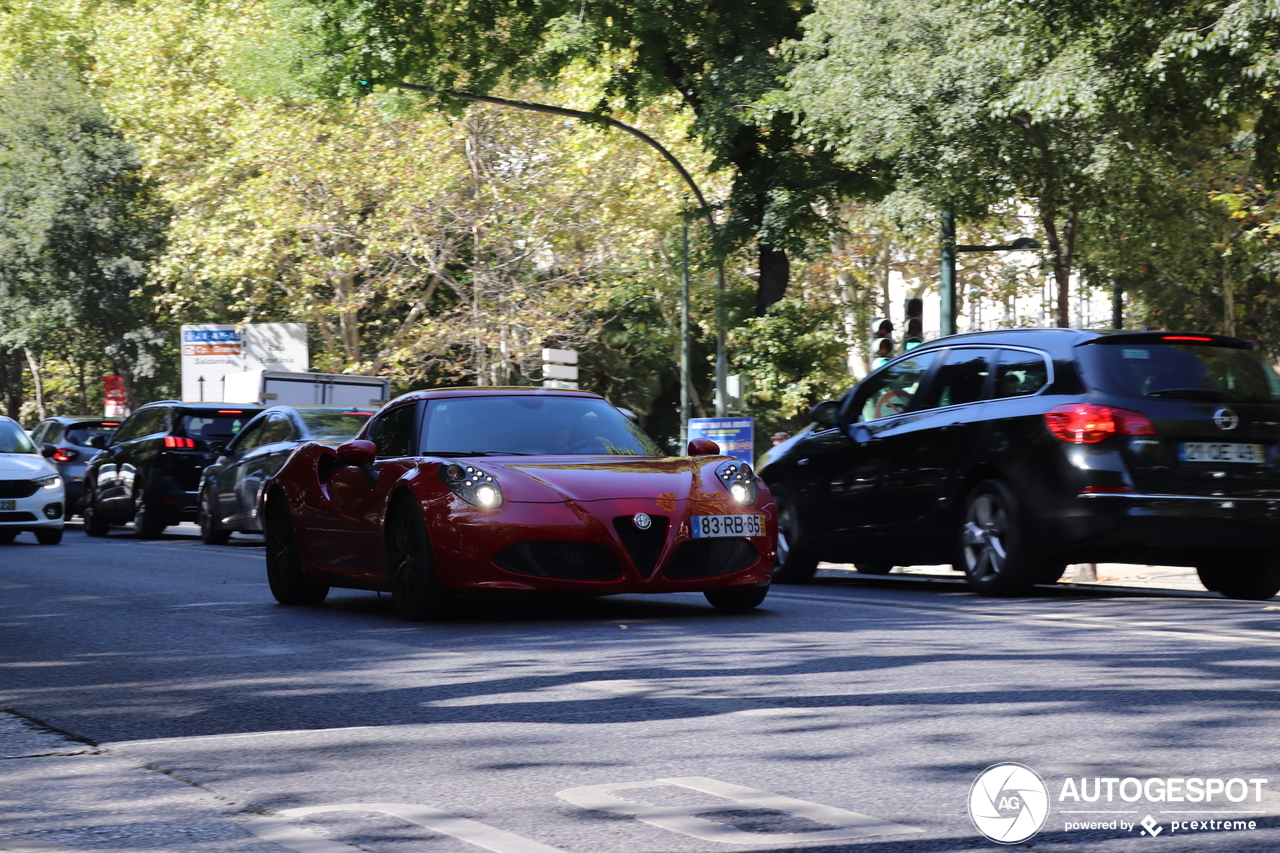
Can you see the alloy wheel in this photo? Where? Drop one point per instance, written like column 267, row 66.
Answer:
column 986, row 529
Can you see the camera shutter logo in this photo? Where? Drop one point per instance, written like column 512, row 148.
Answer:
column 1008, row 803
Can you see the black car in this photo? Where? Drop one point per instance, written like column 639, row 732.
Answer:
column 1014, row 453
column 232, row 488
column 149, row 471
column 70, row 437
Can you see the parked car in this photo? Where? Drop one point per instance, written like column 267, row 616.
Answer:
column 231, row 489
column 70, row 437
column 31, row 489
column 149, row 471
column 510, row 490
column 1014, row 453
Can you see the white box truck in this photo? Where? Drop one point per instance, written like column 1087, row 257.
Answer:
column 281, row 388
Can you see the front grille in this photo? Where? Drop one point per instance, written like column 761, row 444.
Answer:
column 17, row 516
column 18, row 488
column 703, row 558
column 571, row 561
column 644, row 546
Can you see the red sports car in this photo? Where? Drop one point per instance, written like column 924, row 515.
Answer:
column 515, row 489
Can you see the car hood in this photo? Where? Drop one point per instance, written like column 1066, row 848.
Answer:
column 19, row 466
column 592, row 478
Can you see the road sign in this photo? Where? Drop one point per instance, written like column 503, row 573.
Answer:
column 212, row 350
column 736, row 436
column 560, row 356
column 559, row 371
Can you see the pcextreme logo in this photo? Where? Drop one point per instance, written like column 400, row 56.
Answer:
column 1008, row 803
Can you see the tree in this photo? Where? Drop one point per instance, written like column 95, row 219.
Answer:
column 719, row 58
column 79, row 225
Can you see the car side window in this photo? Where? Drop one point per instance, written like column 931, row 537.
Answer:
column 37, row 434
column 126, row 431
column 149, row 422
column 1020, row 373
column 278, row 428
column 892, row 390
column 51, row 434
column 248, row 438
column 394, row 431
column 962, row 377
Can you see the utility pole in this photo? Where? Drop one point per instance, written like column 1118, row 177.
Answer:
column 686, row 345
column 948, row 283
column 1117, row 304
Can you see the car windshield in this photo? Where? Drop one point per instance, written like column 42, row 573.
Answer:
column 1182, row 371
column 213, row 425
column 81, row 433
column 13, row 439
column 531, row 425
column 333, row 426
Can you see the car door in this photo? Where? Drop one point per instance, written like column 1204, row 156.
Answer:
column 841, row 471
column 928, row 448
column 357, row 497
column 119, row 471
column 277, row 438
column 223, row 483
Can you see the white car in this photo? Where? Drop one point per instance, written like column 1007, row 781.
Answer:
column 31, row 490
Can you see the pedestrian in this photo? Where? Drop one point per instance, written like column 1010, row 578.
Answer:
column 779, row 437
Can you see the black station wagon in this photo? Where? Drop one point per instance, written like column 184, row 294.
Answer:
column 1014, row 453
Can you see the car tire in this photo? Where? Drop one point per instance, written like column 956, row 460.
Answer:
column 1250, row 577
column 7, row 536
column 49, row 536
column 737, row 599
column 211, row 533
column 874, row 568
column 996, row 554
column 147, row 522
column 411, row 566
column 94, row 523
column 286, row 575
column 794, row 564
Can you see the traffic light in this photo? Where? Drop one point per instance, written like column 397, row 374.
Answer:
column 882, row 339
column 913, row 331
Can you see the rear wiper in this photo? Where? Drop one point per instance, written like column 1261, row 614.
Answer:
column 452, row 453
column 1189, row 393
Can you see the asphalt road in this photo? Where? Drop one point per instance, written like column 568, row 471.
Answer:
column 168, row 704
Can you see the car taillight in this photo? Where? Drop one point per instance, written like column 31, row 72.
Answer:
column 174, row 441
column 63, row 454
column 1086, row 423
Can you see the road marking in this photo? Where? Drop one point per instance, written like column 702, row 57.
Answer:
column 12, row 585
column 91, row 599
column 33, row 847
column 691, row 820
column 394, row 648
column 276, row 829
column 1146, row 629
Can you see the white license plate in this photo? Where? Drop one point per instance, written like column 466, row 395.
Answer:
column 712, row 526
column 1211, row 451
column 8, row 505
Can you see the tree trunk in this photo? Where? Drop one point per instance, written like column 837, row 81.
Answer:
column 775, row 273
column 13, row 383
column 37, row 380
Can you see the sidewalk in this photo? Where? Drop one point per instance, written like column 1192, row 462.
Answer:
column 1129, row 576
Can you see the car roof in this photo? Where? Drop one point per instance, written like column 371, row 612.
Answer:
column 1062, row 340
column 492, row 391
column 75, row 419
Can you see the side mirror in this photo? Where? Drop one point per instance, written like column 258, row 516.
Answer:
column 47, row 450
column 825, row 413
column 357, row 452
column 703, row 447
column 217, row 446
column 99, row 441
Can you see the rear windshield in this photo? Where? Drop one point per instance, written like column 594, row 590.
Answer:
column 531, row 426
column 13, row 439
column 213, row 425
column 82, row 433
column 334, row 426
column 1181, row 371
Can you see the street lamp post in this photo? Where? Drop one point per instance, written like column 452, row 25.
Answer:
column 608, row 121
column 948, row 277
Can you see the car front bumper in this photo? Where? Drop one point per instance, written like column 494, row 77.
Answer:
column 33, row 512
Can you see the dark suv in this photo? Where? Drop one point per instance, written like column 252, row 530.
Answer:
column 1014, row 453
column 149, row 471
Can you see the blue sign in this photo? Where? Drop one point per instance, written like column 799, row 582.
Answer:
column 736, row 436
column 221, row 336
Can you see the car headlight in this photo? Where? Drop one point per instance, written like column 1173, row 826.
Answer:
column 53, row 481
column 740, row 480
column 474, row 486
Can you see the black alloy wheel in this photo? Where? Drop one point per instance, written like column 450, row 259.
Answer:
column 415, row 587
column 737, row 599
column 998, row 558
column 147, row 521
column 94, row 523
column 793, row 564
column 1247, row 575
column 49, row 535
column 285, row 573
column 211, row 532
